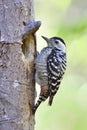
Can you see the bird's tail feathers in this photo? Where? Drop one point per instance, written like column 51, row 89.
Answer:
column 50, row 100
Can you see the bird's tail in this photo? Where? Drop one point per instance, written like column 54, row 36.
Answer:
column 42, row 97
column 50, row 100
column 34, row 108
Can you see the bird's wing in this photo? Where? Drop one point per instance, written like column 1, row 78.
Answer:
column 54, row 71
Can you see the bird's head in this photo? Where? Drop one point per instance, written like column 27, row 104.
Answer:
column 55, row 42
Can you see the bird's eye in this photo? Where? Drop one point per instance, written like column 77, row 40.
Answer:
column 56, row 41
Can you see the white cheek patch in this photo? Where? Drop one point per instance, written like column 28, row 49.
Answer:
column 62, row 46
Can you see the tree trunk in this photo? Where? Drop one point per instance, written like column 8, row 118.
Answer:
column 17, row 52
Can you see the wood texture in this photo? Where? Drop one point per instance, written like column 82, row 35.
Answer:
column 17, row 90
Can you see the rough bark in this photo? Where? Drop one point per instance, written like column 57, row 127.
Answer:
column 17, row 52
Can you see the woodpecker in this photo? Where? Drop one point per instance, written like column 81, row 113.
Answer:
column 50, row 67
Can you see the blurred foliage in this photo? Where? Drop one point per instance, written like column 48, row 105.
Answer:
column 67, row 19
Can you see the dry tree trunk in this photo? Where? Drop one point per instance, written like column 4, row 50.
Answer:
column 17, row 52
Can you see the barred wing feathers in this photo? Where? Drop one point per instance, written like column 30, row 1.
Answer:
column 56, row 66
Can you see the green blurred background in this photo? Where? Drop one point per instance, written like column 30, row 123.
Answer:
column 67, row 19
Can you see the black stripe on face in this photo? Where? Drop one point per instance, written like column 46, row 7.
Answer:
column 58, row 38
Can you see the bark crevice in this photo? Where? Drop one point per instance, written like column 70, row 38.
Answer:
column 17, row 54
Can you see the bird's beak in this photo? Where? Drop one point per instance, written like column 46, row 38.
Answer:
column 46, row 39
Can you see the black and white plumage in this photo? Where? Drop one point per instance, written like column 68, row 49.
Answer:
column 50, row 67
column 56, row 66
